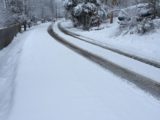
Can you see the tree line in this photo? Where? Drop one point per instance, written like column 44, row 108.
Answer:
column 39, row 9
column 89, row 13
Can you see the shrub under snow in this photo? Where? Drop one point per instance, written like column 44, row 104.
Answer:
column 85, row 13
column 137, row 19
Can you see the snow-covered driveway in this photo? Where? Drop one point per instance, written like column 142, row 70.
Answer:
column 54, row 83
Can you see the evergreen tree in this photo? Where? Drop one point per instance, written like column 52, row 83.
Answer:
column 85, row 12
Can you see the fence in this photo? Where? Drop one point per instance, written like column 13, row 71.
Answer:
column 7, row 34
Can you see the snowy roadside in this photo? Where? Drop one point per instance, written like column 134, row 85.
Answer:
column 9, row 59
column 8, row 64
column 145, row 46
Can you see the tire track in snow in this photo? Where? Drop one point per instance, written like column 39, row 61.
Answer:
column 142, row 82
column 93, row 42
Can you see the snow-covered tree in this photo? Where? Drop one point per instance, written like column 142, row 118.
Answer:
column 85, row 12
column 155, row 5
column 138, row 18
column 16, row 6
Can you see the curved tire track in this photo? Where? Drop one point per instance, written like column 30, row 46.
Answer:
column 146, row 84
column 135, row 57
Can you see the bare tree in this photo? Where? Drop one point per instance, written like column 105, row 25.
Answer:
column 4, row 4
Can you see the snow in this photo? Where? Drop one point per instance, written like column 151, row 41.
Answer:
column 78, row 9
column 54, row 83
column 139, row 9
column 6, row 18
column 9, row 57
column 145, row 46
column 124, row 62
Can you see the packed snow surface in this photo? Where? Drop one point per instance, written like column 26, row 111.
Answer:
column 54, row 83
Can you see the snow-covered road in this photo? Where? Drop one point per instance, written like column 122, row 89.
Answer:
column 141, row 47
column 142, row 75
column 148, row 60
column 54, row 83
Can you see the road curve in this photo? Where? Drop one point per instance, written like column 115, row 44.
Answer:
column 142, row 82
column 89, row 40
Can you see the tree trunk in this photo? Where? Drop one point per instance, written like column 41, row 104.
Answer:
column 111, row 18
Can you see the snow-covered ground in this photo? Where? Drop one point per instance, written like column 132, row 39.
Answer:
column 145, row 46
column 9, row 57
column 54, row 83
